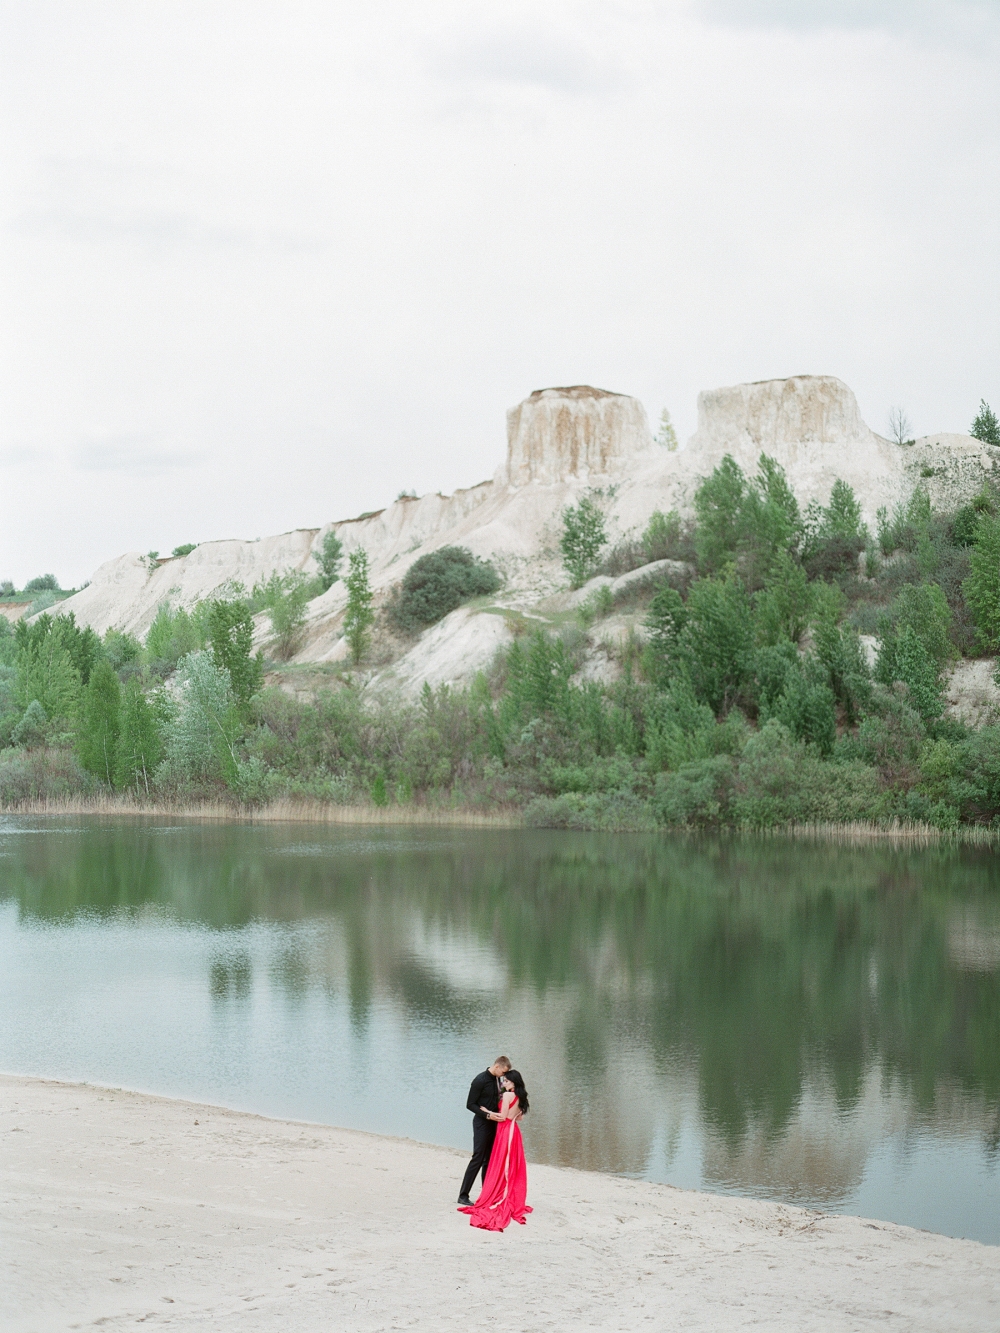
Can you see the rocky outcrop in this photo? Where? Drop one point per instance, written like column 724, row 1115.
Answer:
column 805, row 414
column 561, row 444
column 556, row 434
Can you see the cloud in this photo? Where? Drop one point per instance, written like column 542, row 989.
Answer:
column 22, row 455
column 156, row 231
column 530, row 59
column 912, row 15
column 128, row 453
column 93, row 201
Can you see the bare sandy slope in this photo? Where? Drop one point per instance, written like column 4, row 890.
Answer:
column 121, row 1209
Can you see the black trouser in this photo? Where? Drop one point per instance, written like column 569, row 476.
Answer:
column 483, row 1134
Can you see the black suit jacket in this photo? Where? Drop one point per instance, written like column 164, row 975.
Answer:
column 485, row 1091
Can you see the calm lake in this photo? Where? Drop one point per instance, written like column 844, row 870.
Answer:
column 805, row 1022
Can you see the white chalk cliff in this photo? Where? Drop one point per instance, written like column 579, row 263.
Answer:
column 560, row 443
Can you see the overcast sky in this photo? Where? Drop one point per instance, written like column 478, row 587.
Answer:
column 268, row 264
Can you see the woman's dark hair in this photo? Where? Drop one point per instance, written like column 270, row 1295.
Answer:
column 520, row 1091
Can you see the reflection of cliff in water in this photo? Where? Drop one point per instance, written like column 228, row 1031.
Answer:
column 798, row 1001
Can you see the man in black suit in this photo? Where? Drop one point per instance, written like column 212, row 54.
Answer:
column 484, row 1102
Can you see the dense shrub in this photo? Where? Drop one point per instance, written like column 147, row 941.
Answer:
column 123, row 651
column 666, row 537
column 698, row 794
column 436, row 584
column 32, row 731
column 614, row 812
column 972, row 771
column 41, row 775
column 781, row 781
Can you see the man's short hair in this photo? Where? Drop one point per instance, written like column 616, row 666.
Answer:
column 502, row 1060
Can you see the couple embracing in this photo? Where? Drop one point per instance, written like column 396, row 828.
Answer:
column 497, row 1099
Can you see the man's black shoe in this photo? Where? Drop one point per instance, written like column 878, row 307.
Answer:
column 464, row 1201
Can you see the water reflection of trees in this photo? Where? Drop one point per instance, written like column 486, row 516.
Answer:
column 762, row 968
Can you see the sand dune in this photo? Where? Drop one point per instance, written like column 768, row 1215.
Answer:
column 123, row 1209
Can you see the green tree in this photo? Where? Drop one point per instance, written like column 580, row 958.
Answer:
column 965, row 521
column 328, row 557
column 121, row 650
column 201, row 738
column 915, row 645
column 749, row 522
column 807, row 706
column 718, row 506
column 986, row 427
column 914, row 665
column 285, row 597
column 230, row 636
column 32, row 731
column 840, row 651
column 842, row 516
column 679, row 729
column 923, row 608
column 834, row 535
column 83, row 645
column 45, row 671
column 666, row 619
column 100, row 723
column 784, row 606
column 583, row 538
column 172, row 635
column 715, row 647
column 140, row 745
column 661, row 539
column 666, row 435
column 982, row 587
column 360, row 615
column 771, row 523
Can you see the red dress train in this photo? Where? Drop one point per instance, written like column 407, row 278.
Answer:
column 505, row 1189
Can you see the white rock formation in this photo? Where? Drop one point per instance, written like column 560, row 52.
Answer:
column 561, row 442
column 807, row 414
column 449, row 653
column 556, row 434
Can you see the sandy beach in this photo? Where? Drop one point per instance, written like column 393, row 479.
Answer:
column 122, row 1209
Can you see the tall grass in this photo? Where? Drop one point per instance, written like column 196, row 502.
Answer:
column 854, row 834
column 857, row 832
column 280, row 811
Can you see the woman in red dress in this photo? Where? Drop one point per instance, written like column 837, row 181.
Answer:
column 506, row 1185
